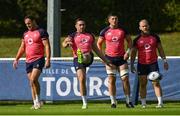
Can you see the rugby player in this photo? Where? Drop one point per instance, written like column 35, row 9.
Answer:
column 147, row 44
column 114, row 37
column 34, row 43
column 82, row 44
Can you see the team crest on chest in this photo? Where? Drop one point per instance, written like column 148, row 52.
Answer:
column 109, row 34
column 26, row 36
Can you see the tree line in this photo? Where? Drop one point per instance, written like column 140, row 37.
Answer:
column 164, row 15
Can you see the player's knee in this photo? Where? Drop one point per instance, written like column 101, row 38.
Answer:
column 82, row 78
column 112, row 80
column 124, row 74
column 32, row 81
column 125, row 80
column 143, row 84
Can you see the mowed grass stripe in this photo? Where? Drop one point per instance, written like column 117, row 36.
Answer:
column 93, row 109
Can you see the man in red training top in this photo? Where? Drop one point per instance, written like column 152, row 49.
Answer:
column 82, row 44
column 34, row 43
column 147, row 44
column 114, row 37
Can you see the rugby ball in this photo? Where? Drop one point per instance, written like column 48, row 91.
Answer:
column 153, row 76
column 87, row 58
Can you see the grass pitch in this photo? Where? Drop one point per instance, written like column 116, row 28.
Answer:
column 170, row 108
column 170, row 42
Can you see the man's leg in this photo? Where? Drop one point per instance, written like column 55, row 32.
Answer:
column 32, row 88
column 111, row 71
column 158, row 92
column 126, row 88
column 143, row 89
column 112, row 90
column 81, row 74
column 124, row 74
column 35, row 87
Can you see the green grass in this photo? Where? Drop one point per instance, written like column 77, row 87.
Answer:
column 172, row 108
column 170, row 41
column 9, row 47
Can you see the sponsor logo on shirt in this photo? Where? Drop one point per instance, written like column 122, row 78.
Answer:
column 84, row 40
column 30, row 41
column 114, row 39
column 147, row 48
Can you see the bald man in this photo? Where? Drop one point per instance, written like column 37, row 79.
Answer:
column 147, row 44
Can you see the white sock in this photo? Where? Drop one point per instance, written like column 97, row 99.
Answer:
column 37, row 99
column 113, row 99
column 143, row 101
column 160, row 101
column 35, row 103
column 84, row 99
column 127, row 99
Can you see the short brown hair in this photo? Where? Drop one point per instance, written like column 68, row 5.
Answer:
column 79, row 19
column 29, row 17
column 112, row 14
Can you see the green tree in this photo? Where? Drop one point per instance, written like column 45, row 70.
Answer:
column 13, row 12
column 9, row 18
column 36, row 8
column 172, row 10
column 129, row 11
column 164, row 15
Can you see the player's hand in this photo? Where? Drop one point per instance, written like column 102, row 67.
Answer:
column 47, row 64
column 69, row 42
column 166, row 66
column 15, row 64
column 126, row 56
column 133, row 69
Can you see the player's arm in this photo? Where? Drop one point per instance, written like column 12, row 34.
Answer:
column 48, row 52
column 129, row 42
column 129, row 45
column 100, row 43
column 163, row 56
column 133, row 57
column 67, row 42
column 19, row 54
column 100, row 54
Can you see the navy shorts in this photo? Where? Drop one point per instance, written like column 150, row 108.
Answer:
column 78, row 65
column 117, row 61
column 145, row 69
column 39, row 64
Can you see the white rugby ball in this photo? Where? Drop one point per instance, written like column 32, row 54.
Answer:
column 87, row 58
column 154, row 76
